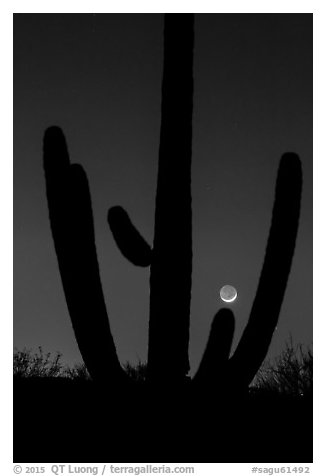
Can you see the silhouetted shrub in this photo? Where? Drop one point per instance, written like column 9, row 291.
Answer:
column 78, row 372
column 27, row 363
column 290, row 373
column 37, row 364
column 138, row 372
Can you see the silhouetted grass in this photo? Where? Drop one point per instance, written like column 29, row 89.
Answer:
column 290, row 373
column 77, row 372
column 137, row 372
column 37, row 364
column 34, row 364
column 30, row 364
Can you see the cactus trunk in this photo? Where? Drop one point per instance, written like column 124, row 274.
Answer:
column 170, row 277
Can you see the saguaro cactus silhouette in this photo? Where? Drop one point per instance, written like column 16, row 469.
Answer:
column 170, row 257
column 73, row 233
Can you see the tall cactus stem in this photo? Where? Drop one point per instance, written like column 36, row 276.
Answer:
column 72, row 227
column 256, row 338
column 170, row 275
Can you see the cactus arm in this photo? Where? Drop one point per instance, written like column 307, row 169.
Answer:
column 72, row 227
column 128, row 239
column 170, row 276
column 258, row 333
column 217, row 350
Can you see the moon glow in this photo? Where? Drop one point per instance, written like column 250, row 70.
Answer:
column 228, row 293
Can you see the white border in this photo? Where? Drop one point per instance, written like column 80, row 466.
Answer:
column 141, row 6
column 285, row 6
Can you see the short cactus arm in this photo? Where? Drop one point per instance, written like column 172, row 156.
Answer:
column 255, row 341
column 128, row 239
column 72, row 227
column 217, row 351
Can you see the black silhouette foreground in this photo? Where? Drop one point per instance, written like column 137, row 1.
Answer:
column 63, row 416
column 169, row 417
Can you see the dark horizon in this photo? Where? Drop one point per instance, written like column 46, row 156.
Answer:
column 99, row 78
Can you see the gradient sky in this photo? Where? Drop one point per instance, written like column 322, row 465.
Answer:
column 99, row 78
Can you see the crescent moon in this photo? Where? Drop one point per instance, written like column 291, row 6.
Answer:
column 228, row 293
